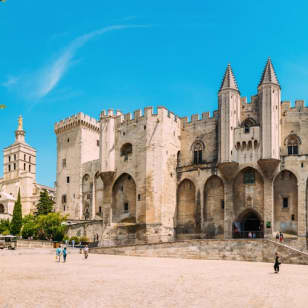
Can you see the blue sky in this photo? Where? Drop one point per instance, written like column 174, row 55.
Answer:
column 62, row 57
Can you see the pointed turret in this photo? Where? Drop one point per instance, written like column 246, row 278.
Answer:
column 229, row 81
column 269, row 75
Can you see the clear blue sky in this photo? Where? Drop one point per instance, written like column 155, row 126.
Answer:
column 62, row 57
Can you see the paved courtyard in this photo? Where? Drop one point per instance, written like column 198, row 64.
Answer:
column 32, row 278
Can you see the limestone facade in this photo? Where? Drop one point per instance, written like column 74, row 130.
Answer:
column 153, row 176
column 19, row 173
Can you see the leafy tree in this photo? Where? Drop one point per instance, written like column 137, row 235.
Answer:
column 29, row 228
column 4, row 225
column 51, row 226
column 16, row 223
column 45, row 204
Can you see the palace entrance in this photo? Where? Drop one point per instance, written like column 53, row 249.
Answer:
column 248, row 225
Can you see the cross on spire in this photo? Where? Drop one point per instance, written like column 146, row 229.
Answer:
column 229, row 81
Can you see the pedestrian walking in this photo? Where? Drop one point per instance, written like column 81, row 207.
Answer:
column 277, row 236
column 86, row 252
column 73, row 243
column 64, row 253
column 277, row 263
column 58, row 254
column 281, row 237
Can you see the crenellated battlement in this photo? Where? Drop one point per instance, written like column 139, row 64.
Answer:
column 76, row 120
column 197, row 119
column 138, row 116
column 299, row 107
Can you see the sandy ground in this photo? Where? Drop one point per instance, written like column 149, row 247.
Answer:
column 32, row 278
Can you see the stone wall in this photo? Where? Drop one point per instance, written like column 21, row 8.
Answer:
column 34, row 244
column 90, row 229
column 239, row 250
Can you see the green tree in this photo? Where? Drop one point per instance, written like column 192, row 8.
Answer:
column 51, row 226
column 16, row 223
column 29, row 228
column 4, row 225
column 45, row 204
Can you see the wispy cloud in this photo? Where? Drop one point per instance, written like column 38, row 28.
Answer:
column 10, row 82
column 40, row 83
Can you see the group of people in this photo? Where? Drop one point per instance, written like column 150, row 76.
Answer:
column 63, row 252
column 279, row 237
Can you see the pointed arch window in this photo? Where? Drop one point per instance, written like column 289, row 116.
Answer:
column 292, row 142
column 197, row 149
column 126, row 150
column 247, row 123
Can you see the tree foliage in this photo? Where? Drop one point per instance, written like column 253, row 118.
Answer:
column 45, row 204
column 4, row 226
column 16, row 222
column 44, row 227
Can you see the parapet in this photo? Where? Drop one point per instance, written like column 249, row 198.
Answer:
column 197, row 119
column 79, row 119
column 299, row 107
column 138, row 116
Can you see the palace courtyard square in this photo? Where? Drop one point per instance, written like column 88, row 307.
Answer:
column 32, row 278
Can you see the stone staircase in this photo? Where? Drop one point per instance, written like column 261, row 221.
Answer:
column 260, row 250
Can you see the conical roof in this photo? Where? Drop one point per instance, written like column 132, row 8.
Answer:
column 229, row 81
column 269, row 75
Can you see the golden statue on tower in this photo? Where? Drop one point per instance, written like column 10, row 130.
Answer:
column 20, row 123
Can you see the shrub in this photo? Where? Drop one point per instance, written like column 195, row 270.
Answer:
column 75, row 238
column 84, row 239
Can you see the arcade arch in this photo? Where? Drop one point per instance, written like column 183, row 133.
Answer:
column 285, row 202
column 124, row 199
column 186, row 207
column 213, row 211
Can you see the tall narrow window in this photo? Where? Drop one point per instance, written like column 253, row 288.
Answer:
column 63, row 199
column 29, row 159
column 25, row 156
column 14, row 166
column 14, row 156
column 285, row 203
column 64, row 162
column 67, row 179
column 29, row 168
column 292, row 142
column 24, row 166
column 9, row 168
column 9, row 158
column 198, row 147
column 125, row 207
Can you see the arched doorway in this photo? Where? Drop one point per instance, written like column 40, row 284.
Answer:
column 248, row 225
column 186, row 207
column 124, row 199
